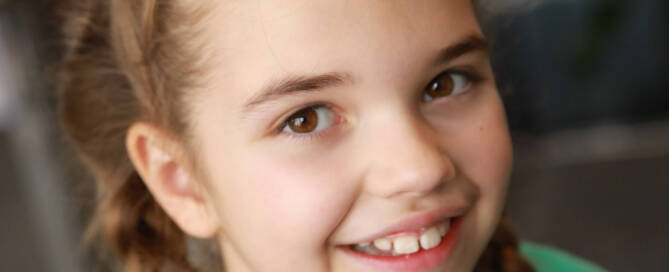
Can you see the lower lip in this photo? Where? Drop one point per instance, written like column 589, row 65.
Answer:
column 419, row 261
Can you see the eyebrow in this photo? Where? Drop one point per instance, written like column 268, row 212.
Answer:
column 295, row 84
column 305, row 83
column 471, row 44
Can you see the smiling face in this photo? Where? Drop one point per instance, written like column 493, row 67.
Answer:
column 327, row 125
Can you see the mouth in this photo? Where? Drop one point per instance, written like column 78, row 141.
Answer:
column 409, row 250
column 406, row 242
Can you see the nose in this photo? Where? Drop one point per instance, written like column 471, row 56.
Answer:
column 405, row 158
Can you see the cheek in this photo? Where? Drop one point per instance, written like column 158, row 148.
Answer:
column 490, row 158
column 484, row 157
column 482, row 148
column 293, row 191
column 495, row 152
column 266, row 199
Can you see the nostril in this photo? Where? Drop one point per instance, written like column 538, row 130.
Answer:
column 413, row 177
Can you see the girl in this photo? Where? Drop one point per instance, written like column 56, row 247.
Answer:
column 295, row 135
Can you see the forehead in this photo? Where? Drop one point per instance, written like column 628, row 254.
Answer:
column 254, row 40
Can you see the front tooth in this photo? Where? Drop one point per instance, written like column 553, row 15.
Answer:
column 430, row 238
column 383, row 244
column 405, row 245
column 443, row 228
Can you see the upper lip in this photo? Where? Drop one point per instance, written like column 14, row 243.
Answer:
column 417, row 221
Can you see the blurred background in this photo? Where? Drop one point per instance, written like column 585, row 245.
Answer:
column 585, row 85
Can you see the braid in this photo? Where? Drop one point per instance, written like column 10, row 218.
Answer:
column 108, row 82
column 140, row 232
column 502, row 253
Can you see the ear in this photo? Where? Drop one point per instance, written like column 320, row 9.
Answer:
column 159, row 160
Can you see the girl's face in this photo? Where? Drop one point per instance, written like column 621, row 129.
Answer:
column 345, row 135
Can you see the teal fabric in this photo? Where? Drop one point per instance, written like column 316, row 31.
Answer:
column 548, row 259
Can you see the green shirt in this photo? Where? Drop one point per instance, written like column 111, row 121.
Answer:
column 548, row 259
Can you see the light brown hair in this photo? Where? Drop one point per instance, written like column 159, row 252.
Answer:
column 131, row 61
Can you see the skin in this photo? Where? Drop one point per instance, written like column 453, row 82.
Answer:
column 276, row 200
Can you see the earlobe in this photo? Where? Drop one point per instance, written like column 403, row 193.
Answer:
column 158, row 160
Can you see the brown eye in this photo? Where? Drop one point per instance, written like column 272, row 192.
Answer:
column 310, row 119
column 303, row 121
column 446, row 84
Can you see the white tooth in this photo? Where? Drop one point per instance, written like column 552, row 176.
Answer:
column 430, row 238
column 443, row 228
column 383, row 244
column 405, row 245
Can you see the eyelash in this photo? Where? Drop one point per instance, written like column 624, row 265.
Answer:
column 472, row 78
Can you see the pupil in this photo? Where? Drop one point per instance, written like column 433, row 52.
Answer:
column 443, row 86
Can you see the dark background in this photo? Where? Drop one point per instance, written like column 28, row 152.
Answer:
column 585, row 86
